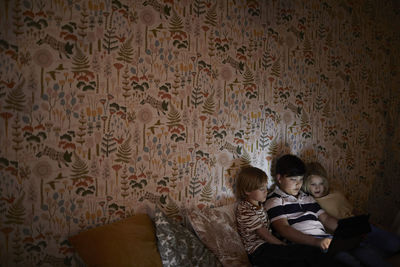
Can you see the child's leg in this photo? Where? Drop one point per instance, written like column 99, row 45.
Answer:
column 347, row 259
column 384, row 241
column 369, row 256
column 273, row 255
column 290, row 255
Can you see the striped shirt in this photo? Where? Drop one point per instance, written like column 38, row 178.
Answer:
column 249, row 218
column 301, row 213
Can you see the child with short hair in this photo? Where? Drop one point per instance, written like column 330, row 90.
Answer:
column 297, row 217
column 263, row 248
column 337, row 205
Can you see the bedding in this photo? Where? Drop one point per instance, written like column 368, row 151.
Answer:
column 216, row 228
column 162, row 241
column 180, row 247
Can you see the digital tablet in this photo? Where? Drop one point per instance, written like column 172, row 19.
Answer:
column 349, row 233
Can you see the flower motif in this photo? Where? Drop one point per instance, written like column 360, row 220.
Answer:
column 287, row 117
column 224, row 160
column 42, row 169
column 337, row 84
column 290, row 41
column 335, row 153
column 145, row 115
column 226, row 73
column 43, row 58
column 147, row 17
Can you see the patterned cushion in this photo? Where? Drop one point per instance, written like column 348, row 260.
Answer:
column 216, row 227
column 180, row 247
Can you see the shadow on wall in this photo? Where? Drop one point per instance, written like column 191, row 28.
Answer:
column 386, row 187
column 238, row 163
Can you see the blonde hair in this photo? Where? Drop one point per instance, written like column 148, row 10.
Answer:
column 249, row 179
column 316, row 169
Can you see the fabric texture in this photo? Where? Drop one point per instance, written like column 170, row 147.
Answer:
column 336, row 205
column 180, row 247
column 250, row 218
column 301, row 213
column 216, row 228
column 290, row 255
column 128, row 242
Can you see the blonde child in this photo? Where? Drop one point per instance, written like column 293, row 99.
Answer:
column 316, row 184
column 297, row 217
column 263, row 248
column 336, row 204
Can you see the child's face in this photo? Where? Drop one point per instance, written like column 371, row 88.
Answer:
column 316, row 186
column 258, row 195
column 290, row 185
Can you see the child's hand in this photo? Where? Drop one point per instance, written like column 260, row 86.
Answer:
column 324, row 243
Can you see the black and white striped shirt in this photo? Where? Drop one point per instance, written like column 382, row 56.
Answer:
column 301, row 213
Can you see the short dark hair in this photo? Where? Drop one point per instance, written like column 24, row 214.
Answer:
column 290, row 165
column 249, row 179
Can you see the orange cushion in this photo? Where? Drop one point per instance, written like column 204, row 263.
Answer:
column 129, row 242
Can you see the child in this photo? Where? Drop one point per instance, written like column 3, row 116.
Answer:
column 336, row 204
column 262, row 247
column 316, row 184
column 298, row 218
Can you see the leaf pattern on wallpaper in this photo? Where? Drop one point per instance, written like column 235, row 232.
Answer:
column 15, row 214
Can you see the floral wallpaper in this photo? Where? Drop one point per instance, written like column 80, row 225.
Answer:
column 109, row 107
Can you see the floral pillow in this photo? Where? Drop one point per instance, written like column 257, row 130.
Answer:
column 180, row 247
column 216, row 228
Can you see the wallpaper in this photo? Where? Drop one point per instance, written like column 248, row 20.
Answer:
column 108, row 108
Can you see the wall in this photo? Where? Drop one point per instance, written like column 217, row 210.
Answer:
column 385, row 190
column 108, row 107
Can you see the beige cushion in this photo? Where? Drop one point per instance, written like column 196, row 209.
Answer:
column 216, row 228
column 128, row 242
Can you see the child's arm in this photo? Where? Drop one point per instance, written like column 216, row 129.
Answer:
column 328, row 221
column 267, row 236
column 284, row 229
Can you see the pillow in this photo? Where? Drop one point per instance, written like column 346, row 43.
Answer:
column 128, row 242
column 216, row 228
column 180, row 247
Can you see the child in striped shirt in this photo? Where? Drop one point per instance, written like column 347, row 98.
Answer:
column 298, row 218
column 263, row 248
